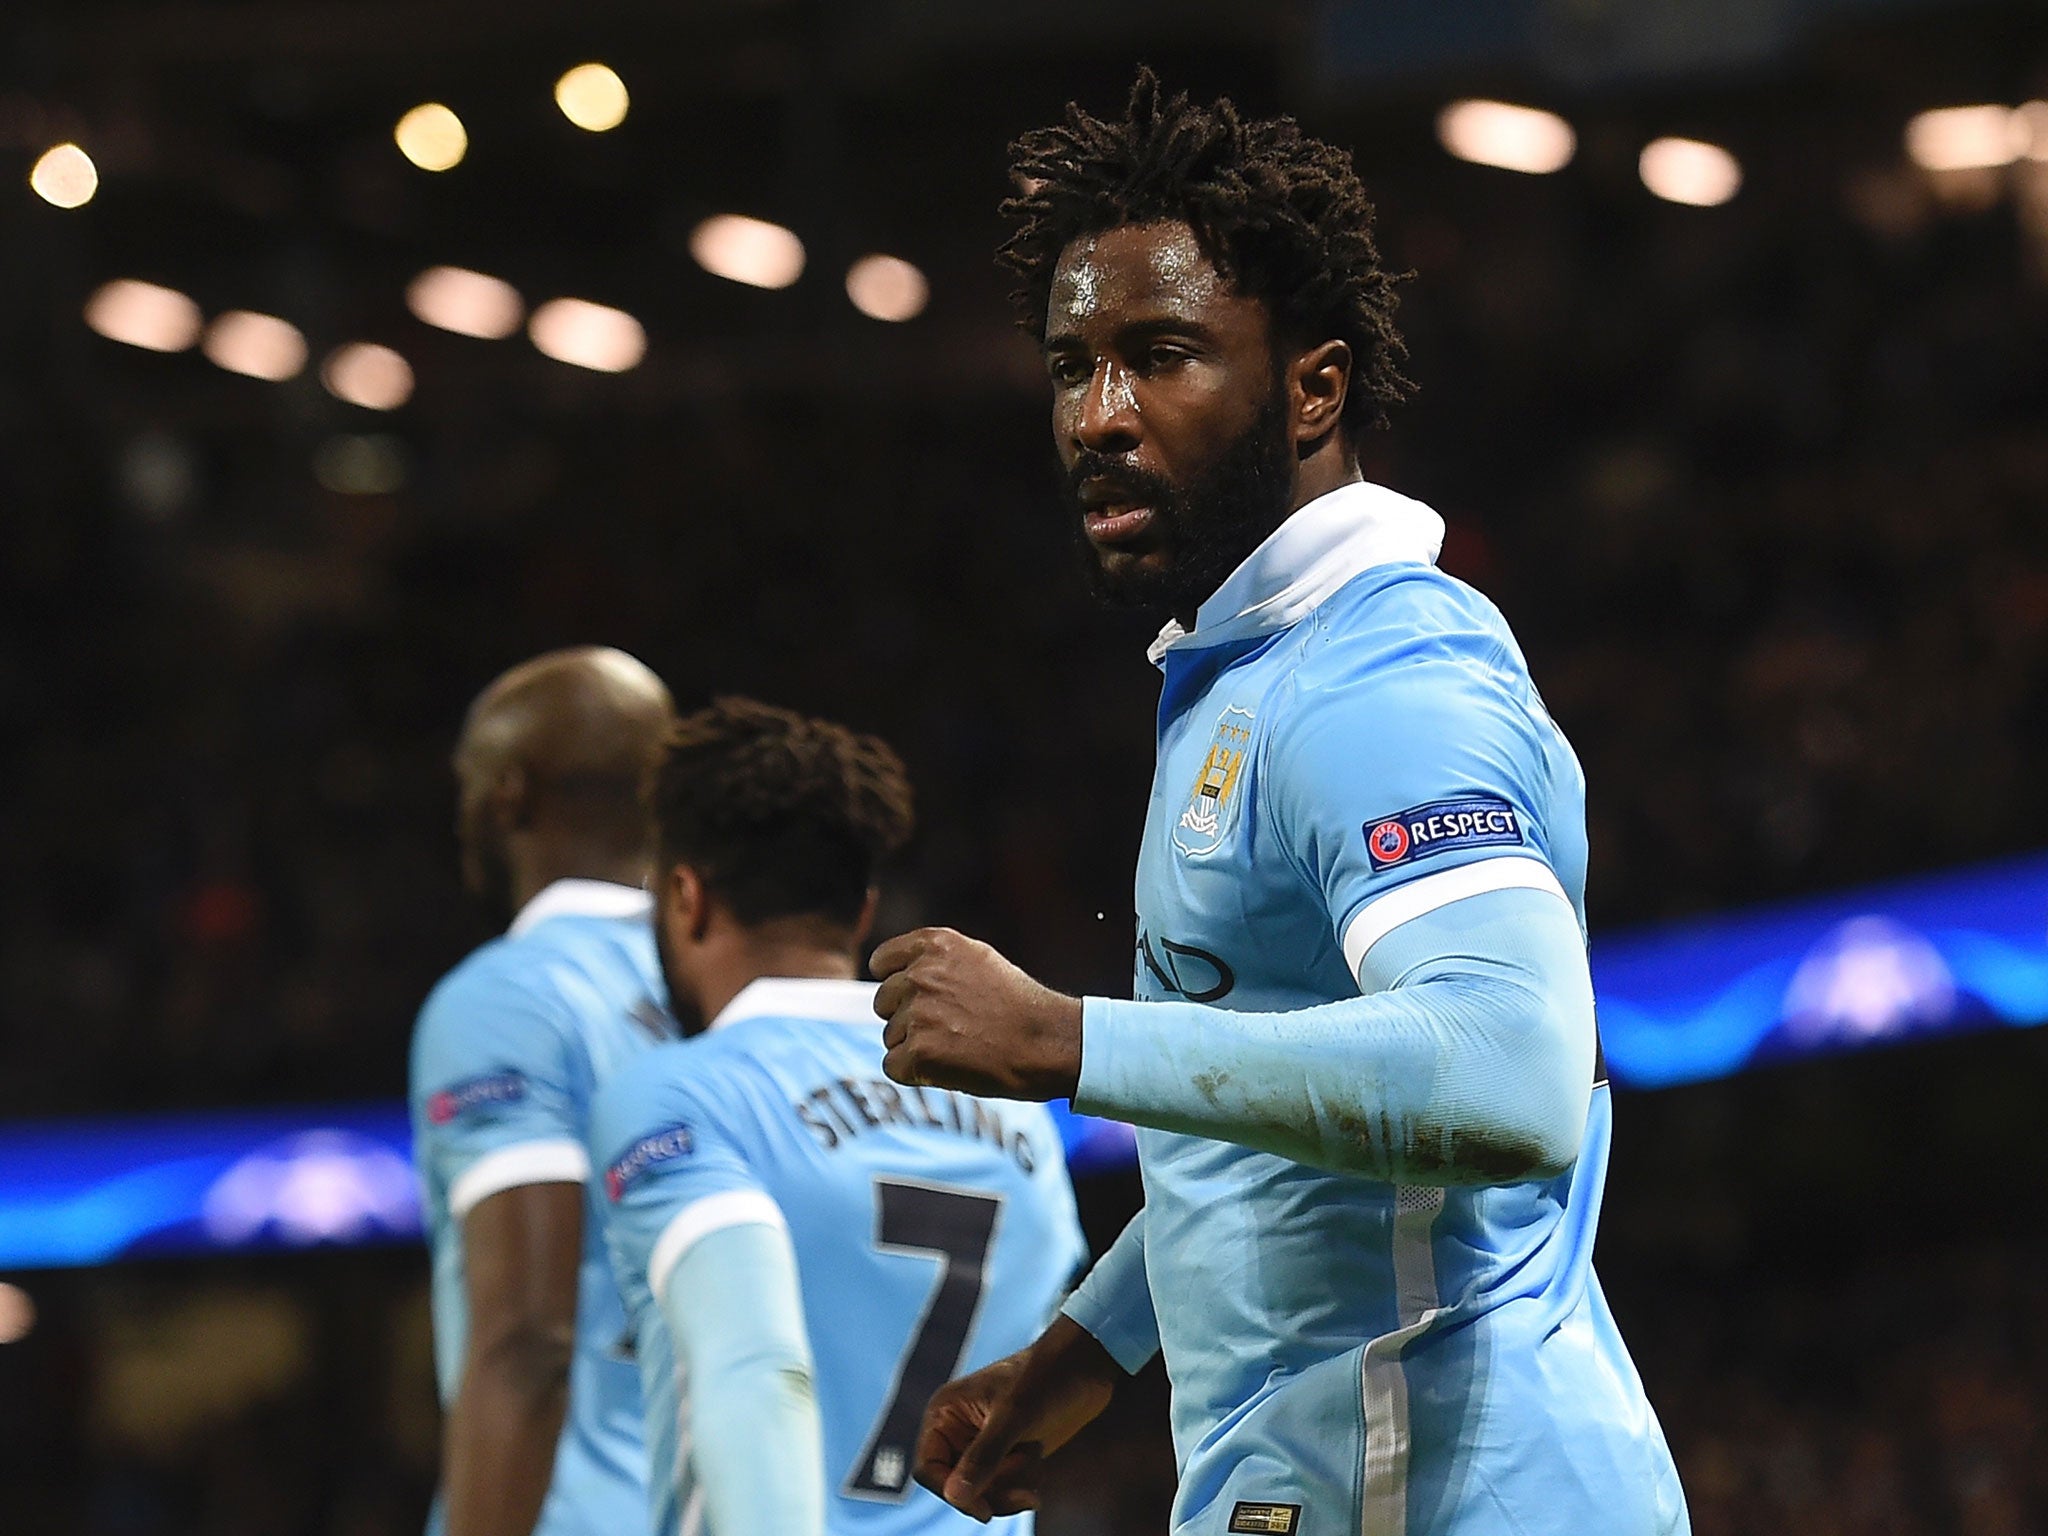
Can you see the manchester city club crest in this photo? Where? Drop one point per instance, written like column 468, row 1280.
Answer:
column 1207, row 816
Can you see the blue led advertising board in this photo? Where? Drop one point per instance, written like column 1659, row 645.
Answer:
column 1930, row 956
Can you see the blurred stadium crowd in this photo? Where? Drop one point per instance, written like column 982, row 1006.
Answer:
column 1761, row 490
column 1764, row 509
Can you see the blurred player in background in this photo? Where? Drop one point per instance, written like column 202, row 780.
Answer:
column 1363, row 1055
column 807, row 1251
column 543, row 1431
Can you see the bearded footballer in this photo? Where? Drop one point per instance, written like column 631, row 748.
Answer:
column 1362, row 1057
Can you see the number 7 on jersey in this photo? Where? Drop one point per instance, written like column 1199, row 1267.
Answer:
column 954, row 1226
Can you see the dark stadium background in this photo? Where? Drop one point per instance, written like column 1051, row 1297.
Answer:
column 1762, row 487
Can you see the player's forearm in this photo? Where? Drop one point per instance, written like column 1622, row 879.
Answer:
column 757, row 1444
column 1114, row 1302
column 1473, row 1066
column 739, row 1449
column 499, row 1447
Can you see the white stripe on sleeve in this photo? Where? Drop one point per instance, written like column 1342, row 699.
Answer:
column 1503, row 872
column 699, row 1219
column 555, row 1161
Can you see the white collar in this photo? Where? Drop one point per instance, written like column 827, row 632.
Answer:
column 581, row 898
column 803, row 997
column 1320, row 547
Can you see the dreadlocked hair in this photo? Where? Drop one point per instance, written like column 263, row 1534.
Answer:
column 781, row 815
column 1283, row 216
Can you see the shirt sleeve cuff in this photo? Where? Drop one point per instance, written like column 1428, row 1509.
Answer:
column 1131, row 1343
column 1418, row 898
column 699, row 1219
column 1130, row 1056
column 550, row 1161
column 1113, row 1302
column 1096, row 1051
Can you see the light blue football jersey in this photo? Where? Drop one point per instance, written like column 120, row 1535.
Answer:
column 933, row 1232
column 1349, row 740
column 507, row 1053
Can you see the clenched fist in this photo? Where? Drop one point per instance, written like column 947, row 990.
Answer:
column 986, row 1436
column 961, row 1016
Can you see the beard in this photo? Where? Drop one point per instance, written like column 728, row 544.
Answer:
column 1208, row 524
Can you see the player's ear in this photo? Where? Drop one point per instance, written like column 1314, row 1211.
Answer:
column 689, row 903
column 865, row 923
column 1318, row 382
column 511, row 799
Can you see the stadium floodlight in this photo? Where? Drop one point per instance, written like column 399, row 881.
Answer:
column 887, row 288
column 1690, row 171
column 17, row 1314
column 588, row 335
column 465, row 302
column 750, row 251
column 2032, row 117
column 1967, row 138
column 432, row 137
column 593, row 97
column 260, row 346
column 1506, row 136
column 64, row 176
column 143, row 315
column 365, row 374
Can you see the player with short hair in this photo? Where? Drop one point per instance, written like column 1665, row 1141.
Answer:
column 807, row 1250
column 1362, row 1055
column 543, row 1410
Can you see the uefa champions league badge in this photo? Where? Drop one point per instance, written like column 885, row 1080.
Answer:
column 1206, row 819
column 1468, row 821
column 660, row 1147
column 486, row 1092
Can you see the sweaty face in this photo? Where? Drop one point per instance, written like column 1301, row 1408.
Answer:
column 1169, row 412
